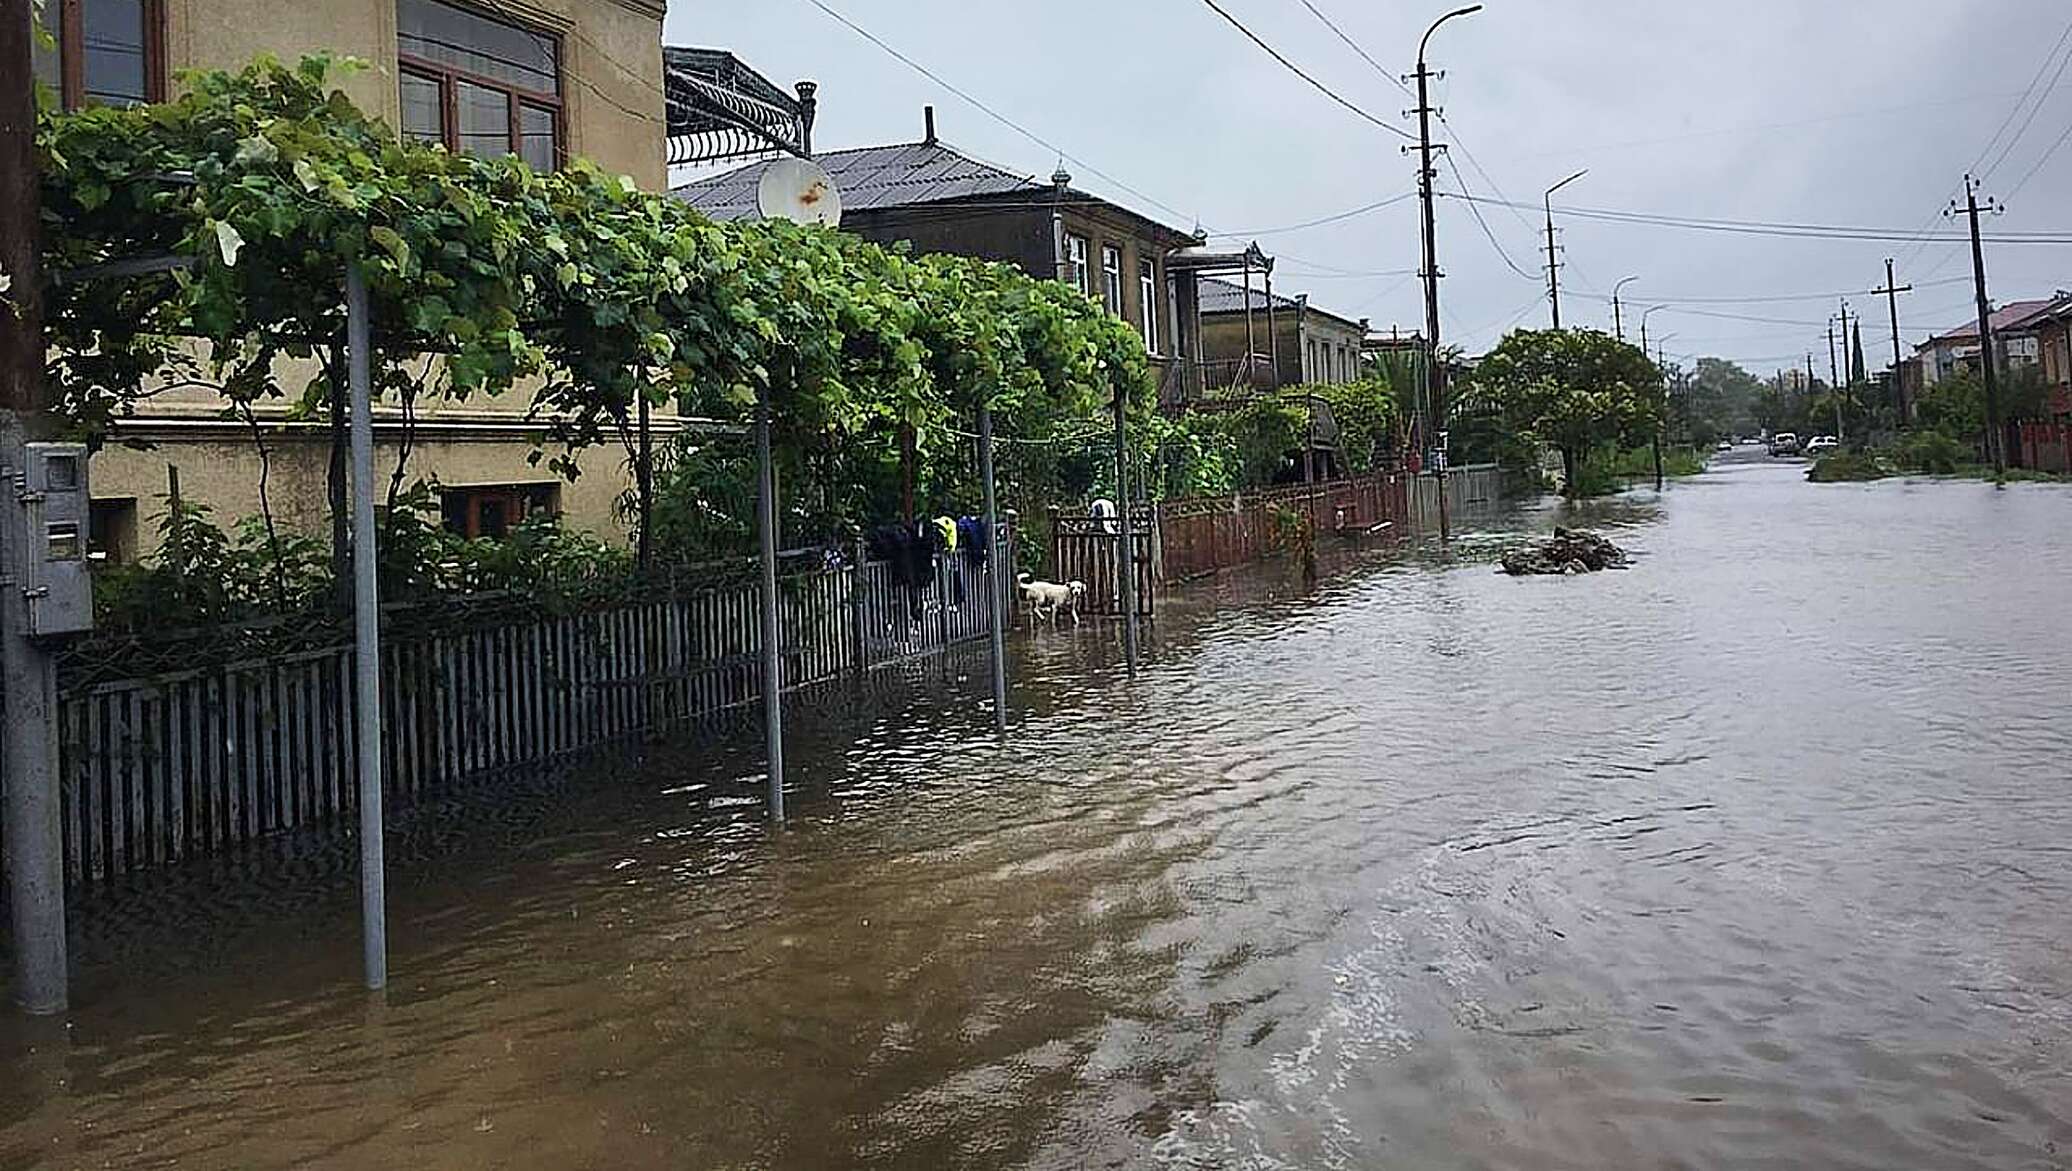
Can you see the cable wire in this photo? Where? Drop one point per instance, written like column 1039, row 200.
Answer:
column 990, row 112
column 1298, row 71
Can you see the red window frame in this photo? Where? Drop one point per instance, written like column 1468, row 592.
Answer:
column 71, row 38
column 447, row 76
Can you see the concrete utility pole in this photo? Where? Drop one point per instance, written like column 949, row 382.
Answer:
column 1848, row 375
column 1891, row 293
column 1435, row 376
column 1554, row 264
column 28, row 672
column 1834, row 373
column 1996, row 438
column 1619, row 317
column 359, row 332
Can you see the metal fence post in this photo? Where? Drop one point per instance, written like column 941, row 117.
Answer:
column 773, row 660
column 1125, row 581
column 995, row 620
column 366, row 634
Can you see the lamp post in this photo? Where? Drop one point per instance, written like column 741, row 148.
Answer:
column 1554, row 268
column 1618, row 318
column 1435, row 378
column 1646, row 313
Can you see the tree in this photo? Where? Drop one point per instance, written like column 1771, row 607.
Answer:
column 1571, row 390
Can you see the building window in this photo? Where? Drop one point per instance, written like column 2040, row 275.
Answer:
column 477, row 84
column 109, row 52
column 1111, row 278
column 1309, row 361
column 1147, row 304
column 1076, row 273
column 493, row 510
column 111, row 531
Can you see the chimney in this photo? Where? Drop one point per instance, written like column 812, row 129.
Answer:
column 928, row 120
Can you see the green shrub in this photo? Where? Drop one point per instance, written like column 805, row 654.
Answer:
column 1848, row 467
column 1933, row 452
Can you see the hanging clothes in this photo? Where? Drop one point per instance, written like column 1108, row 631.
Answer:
column 974, row 540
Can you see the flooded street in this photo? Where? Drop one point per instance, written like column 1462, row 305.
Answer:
column 1757, row 854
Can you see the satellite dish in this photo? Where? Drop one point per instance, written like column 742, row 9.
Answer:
column 799, row 191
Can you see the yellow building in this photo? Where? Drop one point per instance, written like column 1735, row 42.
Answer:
column 548, row 80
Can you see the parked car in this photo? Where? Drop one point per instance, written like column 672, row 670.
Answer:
column 1784, row 443
column 1823, row 445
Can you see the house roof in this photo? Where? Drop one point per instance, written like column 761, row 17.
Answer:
column 870, row 177
column 2011, row 316
column 1220, row 296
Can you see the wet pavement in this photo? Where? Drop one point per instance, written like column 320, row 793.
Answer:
column 1756, row 854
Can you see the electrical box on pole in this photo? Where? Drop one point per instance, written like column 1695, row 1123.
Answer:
column 56, row 580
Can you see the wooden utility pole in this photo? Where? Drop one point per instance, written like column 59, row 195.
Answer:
column 1891, row 293
column 28, row 672
column 1996, row 437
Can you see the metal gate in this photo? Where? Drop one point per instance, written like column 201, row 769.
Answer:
column 1083, row 549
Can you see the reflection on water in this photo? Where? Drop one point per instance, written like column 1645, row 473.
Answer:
column 1753, row 854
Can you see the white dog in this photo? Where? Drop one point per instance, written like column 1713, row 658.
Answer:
column 1046, row 598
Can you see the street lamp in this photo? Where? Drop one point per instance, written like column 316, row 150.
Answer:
column 1553, row 280
column 1618, row 319
column 1646, row 313
column 1435, row 379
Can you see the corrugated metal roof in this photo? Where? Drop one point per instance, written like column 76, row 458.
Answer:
column 870, row 177
column 1218, row 296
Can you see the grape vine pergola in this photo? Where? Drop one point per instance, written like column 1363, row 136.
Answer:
column 261, row 223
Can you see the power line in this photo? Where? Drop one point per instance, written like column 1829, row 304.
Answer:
column 1486, row 232
column 1779, row 298
column 2015, row 139
column 1317, row 223
column 1295, row 69
column 1355, row 47
column 990, row 112
column 1775, row 228
column 2055, row 147
column 1916, row 246
column 2023, row 101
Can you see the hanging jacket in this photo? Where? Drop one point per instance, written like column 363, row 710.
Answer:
column 972, row 539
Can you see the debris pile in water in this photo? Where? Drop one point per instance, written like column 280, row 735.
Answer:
column 1568, row 551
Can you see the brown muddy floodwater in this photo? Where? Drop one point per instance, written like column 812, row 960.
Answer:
column 1759, row 854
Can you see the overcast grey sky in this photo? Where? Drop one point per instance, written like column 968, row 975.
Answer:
column 1852, row 112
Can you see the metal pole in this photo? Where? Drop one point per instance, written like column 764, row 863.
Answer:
column 646, row 485
column 1273, row 333
column 366, row 634
column 28, row 672
column 773, row 662
column 997, row 573
column 1251, row 343
column 1125, row 552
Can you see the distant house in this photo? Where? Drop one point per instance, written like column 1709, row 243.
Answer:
column 940, row 200
column 2054, row 340
column 2017, row 336
column 1251, row 338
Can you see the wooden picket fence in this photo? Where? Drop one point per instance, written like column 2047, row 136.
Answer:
column 224, row 749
